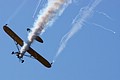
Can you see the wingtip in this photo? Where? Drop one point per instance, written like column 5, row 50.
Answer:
column 51, row 64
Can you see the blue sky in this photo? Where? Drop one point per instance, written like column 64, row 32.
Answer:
column 91, row 54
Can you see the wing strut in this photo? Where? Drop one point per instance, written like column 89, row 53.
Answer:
column 17, row 46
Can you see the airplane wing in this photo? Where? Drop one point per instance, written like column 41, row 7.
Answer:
column 32, row 52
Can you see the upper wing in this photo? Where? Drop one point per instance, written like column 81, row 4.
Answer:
column 14, row 36
column 30, row 51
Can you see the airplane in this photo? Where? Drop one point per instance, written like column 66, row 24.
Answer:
column 33, row 53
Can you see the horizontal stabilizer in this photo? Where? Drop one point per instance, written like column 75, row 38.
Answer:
column 39, row 39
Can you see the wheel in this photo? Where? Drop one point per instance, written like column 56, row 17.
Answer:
column 12, row 52
column 22, row 61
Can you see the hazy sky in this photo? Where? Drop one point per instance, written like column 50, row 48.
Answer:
column 92, row 53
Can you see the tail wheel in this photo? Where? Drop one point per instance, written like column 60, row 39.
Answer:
column 22, row 61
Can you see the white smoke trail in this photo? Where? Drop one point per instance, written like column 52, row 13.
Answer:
column 16, row 11
column 104, row 28
column 39, row 3
column 45, row 17
column 83, row 15
column 106, row 15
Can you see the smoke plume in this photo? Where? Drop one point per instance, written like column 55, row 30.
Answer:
column 77, row 24
column 45, row 18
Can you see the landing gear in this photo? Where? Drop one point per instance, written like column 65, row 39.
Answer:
column 13, row 52
column 19, row 56
column 22, row 61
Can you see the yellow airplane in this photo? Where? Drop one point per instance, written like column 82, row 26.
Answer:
column 33, row 53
